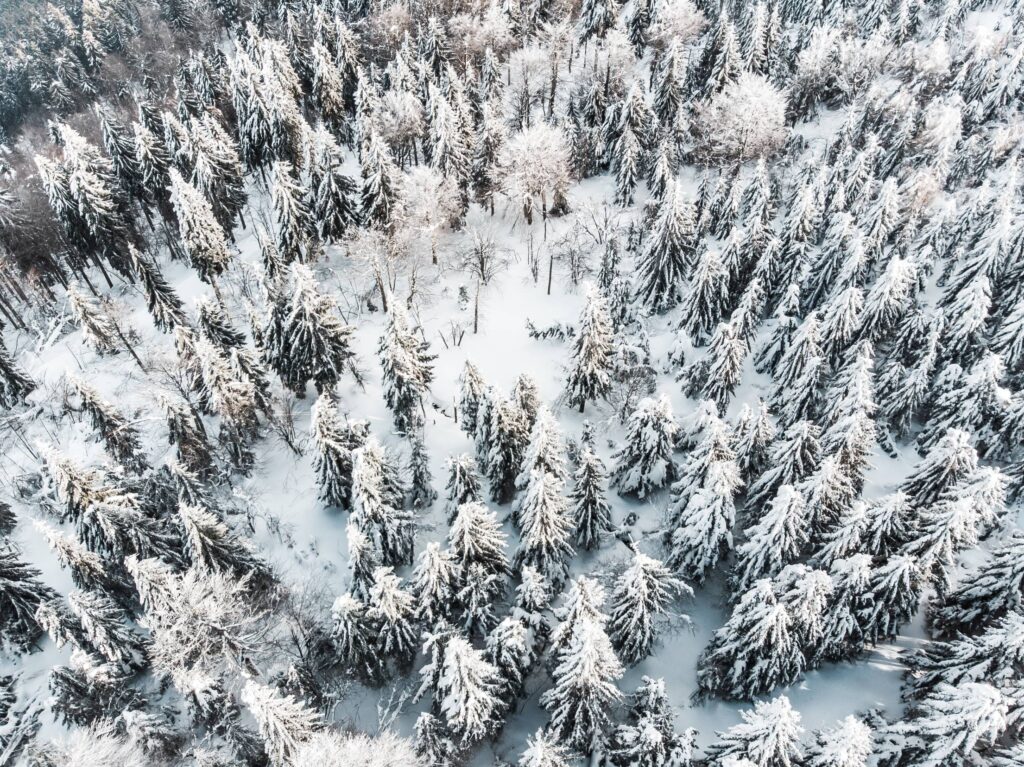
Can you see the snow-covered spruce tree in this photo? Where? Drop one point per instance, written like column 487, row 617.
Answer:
column 768, row 736
column 484, row 422
column 546, row 528
column 991, row 656
column 105, row 628
column 213, row 547
column 584, row 686
column 449, row 144
column 849, row 412
column 216, row 326
column 544, row 750
column 642, row 594
column 889, row 524
column 284, row 723
column 77, row 487
column 707, row 296
column 842, row 539
column 649, row 737
column 509, row 435
column 951, row 460
column 753, row 436
column 829, row 494
column 363, row 560
column 719, row 372
column 843, row 625
column 217, row 170
column 463, row 484
column 596, row 18
column 510, row 649
column 707, row 439
column 590, row 373
column 377, row 499
column 162, row 301
column 421, row 481
column 526, row 394
column 87, row 570
column 490, row 139
column 792, row 458
column 408, row 371
column 475, row 537
column 591, row 511
column 333, row 207
column 333, row 443
column 354, row 638
column 120, row 147
column 21, row 593
column 948, row 725
column 703, row 513
column 15, row 383
column 119, row 435
column 304, row 339
column 472, row 390
column 98, row 329
column 481, row 591
column 955, row 522
column 191, row 368
column 800, row 367
column 668, row 81
column 986, row 593
column 87, row 201
column 888, row 298
column 393, row 611
column 434, row 583
column 786, row 324
column 291, row 214
column 663, row 169
column 840, row 322
column 774, row 541
column 433, row 744
column 644, row 462
column 545, row 452
column 116, row 524
column 467, row 691
column 201, row 234
column 847, row 744
column 664, row 263
column 894, row 597
column 754, row 652
column 627, row 157
column 232, row 396
column 806, row 593
column 381, row 181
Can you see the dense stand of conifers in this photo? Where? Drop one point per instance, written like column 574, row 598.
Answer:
column 871, row 274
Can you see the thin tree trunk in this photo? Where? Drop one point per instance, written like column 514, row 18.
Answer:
column 85, row 278
column 7, row 313
column 476, row 309
column 383, row 292
column 103, row 271
column 128, row 346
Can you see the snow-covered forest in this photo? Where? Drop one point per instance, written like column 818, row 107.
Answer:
column 442, row 383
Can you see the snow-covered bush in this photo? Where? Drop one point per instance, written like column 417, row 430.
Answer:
column 535, row 168
column 747, row 119
column 676, row 21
